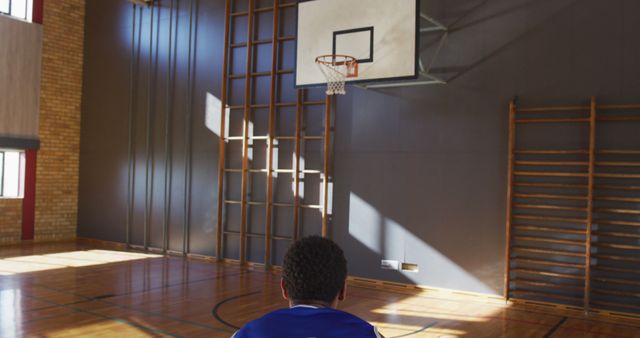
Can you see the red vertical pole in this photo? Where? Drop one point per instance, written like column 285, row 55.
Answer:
column 29, row 199
column 37, row 12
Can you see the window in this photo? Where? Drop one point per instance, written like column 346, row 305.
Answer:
column 21, row 9
column 12, row 164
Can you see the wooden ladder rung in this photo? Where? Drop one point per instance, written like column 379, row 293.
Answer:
column 551, row 152
column 552, row 196
column 548, row 240
column 550, row 218
column 313, row 138
column 548, row 252
column 250, row 138
column 260, row 74
column 551, row 163
column 617, row 246
column 617, row 281
column 282, row 238
column 617, row 257
column 547, row 285
column 236, row 233
column 617, row 187
column 554, row 109
column 618, row 152
column 618, row 199
column 254, row 171
column 548, row 273
column 618, row 211
column 548, row 295
column 612, row 222
column 550, row 185
column 240, row 202
column 547, row 262
column 293, row 104
column 616, row 234
column 619, row 118
column 618, row 164
column 306, row 138
column 547, row 207
column 619, row 305
column 549, row 174
column 619, row 106
column 554, row 120
column 262, row 9
column 549, row 229
column 615, row 269
column 607, row 175
column 283, row 205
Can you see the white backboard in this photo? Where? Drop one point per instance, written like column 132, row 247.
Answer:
column 381, row 34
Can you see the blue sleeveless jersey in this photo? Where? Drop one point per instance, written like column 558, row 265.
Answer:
column 307, row 322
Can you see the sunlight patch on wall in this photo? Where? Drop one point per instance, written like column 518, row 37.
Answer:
column 392, row 240
column 212, row 116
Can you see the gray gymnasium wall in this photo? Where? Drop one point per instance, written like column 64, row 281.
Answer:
column 105, row 121
column 419, row 173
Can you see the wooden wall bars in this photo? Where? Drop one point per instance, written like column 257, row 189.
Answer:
column 573, row 206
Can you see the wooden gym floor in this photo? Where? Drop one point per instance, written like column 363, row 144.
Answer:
column 81, row 289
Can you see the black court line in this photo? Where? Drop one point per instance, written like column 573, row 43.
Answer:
column 214, row 311
column 418, row 331
column 88, row 299
column 119, row 320
column 555, row 328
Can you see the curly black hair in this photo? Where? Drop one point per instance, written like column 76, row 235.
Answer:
column 314, row 269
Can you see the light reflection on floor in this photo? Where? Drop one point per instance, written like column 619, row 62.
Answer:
column 81, row 292
column 24, row 264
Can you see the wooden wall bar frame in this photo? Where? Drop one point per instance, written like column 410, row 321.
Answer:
column 296, row 169
column 297, row 172
column 326, row 158
column 271, row 137
column 592, row 158
column 245, row 135
column 511, row 154
column 578, row 192
column 223, row 124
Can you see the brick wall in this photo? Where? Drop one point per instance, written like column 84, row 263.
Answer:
column 10, row 220
column 60, row 98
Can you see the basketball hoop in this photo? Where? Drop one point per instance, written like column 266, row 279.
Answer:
column 336, row 69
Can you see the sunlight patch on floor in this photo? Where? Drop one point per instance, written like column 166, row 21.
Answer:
column 90, row 330
column 393, row 330
column 429, row 314
column 24, row 264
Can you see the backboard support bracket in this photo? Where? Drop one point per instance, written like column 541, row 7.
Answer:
column 424, row 75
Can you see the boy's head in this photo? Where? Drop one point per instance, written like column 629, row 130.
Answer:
column 314, row 271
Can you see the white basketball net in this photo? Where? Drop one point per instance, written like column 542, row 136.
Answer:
column 336, row 69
